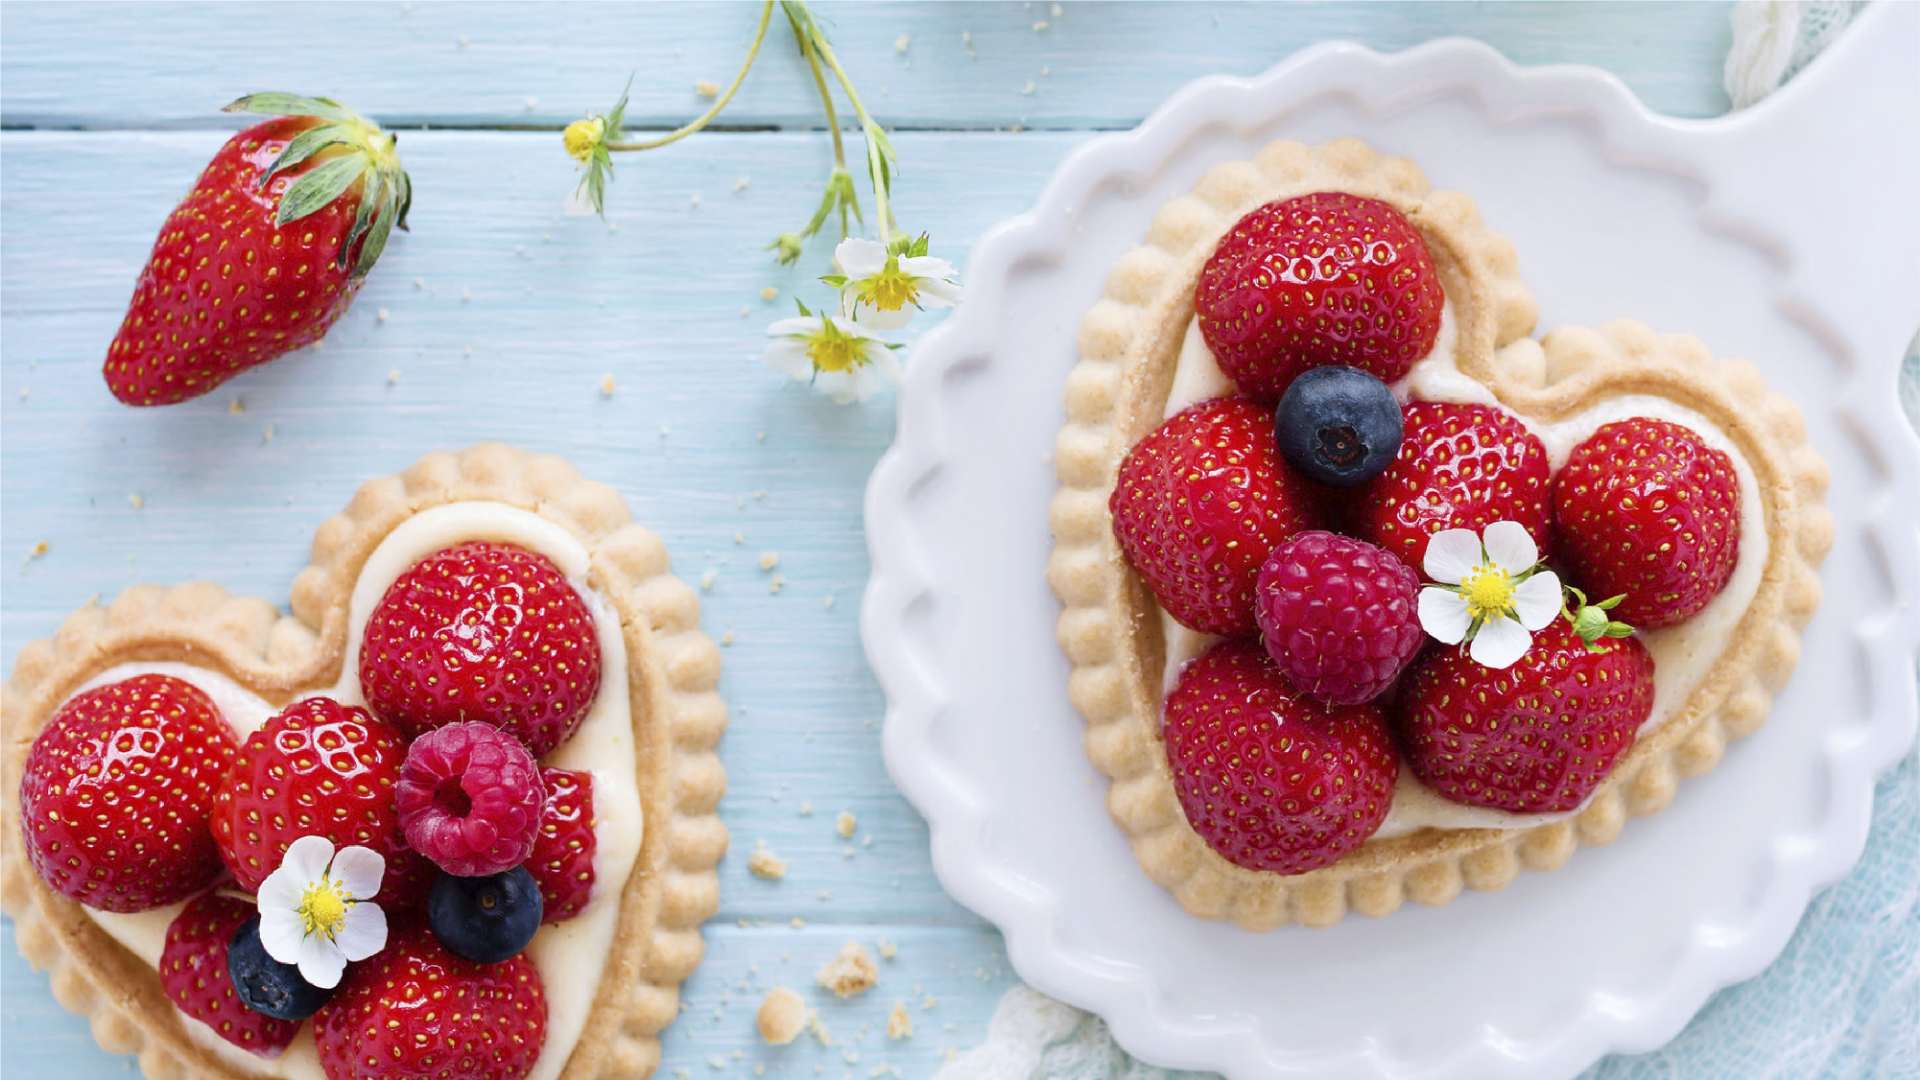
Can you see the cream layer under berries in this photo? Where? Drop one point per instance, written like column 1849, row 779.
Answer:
column 474, row 767
column 1341, row 549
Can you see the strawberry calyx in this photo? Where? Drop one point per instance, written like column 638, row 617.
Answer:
column 1591, row 621
column 344, row 148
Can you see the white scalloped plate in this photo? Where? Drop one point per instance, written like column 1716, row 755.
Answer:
column 1745, row 231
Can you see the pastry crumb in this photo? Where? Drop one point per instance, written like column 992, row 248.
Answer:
column 818, row 1029
column 266, row 436
column 797, row 923
column 806, row 807
column 782, row 1016
column 707, row 579
column 902, row 43
column 136, row 500
column 769, row 560
column 739, row 538
column 1040, row 26
column 707, row 88
column 776, row 583
column 850, row 973
column 727, row 638
column 765, row 864
column 380, row 315
column 899, row 1023
column 1056, row 11
column 606, row 385
column 827, row 601
column 742, row 183
column 745, row 310
column 466, row 296
column 38, row 550
column 420, row 284
column 845, row 823
column 769, row 294
column 237, row 406
column 759, row 436
column 393, row 376
column 888, row 950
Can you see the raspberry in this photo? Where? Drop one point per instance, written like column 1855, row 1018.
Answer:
column 1198, row 504
column 193, row 971
column 417, row 1011
column 1269, row 778
column 321, row 768
column 1645, row 508
column 562, row 860
column 469, row 799
column 1327, row 278
column 482, row 631
column 117, row 790
column 1339, row 616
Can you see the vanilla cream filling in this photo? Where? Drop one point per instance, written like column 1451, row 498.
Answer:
column 1682, row 655
column 571, row 955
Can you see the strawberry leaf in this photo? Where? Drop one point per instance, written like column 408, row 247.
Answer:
column 305, row 145
column 376, row 240
column 278, row 104
column 319, row 187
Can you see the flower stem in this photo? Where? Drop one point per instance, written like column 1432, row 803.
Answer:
column 878, row 150
column 719, row 103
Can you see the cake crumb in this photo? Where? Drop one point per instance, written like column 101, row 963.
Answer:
column 760, row 436
column 745, row 310
column 782, row 1016
column 776, row 583
column 827, row 601
column 769, row 560
column 899, row 1024
column 739, row 538
column 769, row 294
column 742, row 183
column 845, row 823
column 727, row 637
column 797, row 923
column 928, row 1001
column 888, row 950
column 806, row 807
column 466, row 296
column 765, row 864
column 1040, row 26
column 266, row 436
column 393, row 376
column 136, row 500
column 902, row 43
column 818, row 1029
column 38, row 550
column 707, row 88
column 606, row 385
column 1029, row 88
column 707, row 579
column 237, row 406
column 849, row 973
column 380, row 315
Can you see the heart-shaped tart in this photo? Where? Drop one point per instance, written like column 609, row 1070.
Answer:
column 180, row 755
column 1369, row 595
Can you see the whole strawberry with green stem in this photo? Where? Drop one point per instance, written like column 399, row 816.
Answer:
column 264, row 253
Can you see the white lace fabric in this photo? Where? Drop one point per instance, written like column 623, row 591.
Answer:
column 1843, row 1000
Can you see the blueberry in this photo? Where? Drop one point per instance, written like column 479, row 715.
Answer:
column 485, row 919
column 1338, row 426
column 266, row 985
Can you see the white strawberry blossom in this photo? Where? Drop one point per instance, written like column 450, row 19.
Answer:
column 1491, row 592
column 883, row 288
column 840, row 358
column 317, row 910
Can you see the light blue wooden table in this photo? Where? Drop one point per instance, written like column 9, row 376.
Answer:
column 502, row 314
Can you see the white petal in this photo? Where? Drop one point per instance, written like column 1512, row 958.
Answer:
column 939, row 294
column 928, row 268
column 320, row 962
column 878, row 318
column 281, row 932
column 794, row 326
column 1443, row 614
column 837, row 385
column 858, row 257
column 363, row 933
column 789, row 358
column 307, row 858
column 360, row 870
column 1510, row 546
column 281, row 889
column 1499, row 643
column 1536, row 601
column 852, row 329
column 1450, row 554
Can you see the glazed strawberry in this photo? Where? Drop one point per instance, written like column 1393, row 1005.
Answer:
column 483, row 631
column 325, row 769
column 1645, row 508
column 417, row 1011
column 193, row 971
column 1536, row 737
column 1198, row 504
column 1269, row 778
column 264, row 253
column 1338, row 616
column 1327, row 278
column 470, row 798
column 562, row 860
column 117, row 790
column 1459, row 467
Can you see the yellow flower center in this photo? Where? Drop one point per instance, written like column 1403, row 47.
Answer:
column 1489, row 591
column 889, row 290
column 323, row 908
column 832, row 349
column 582, row 136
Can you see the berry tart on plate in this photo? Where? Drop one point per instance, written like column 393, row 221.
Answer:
column 1369, row 595
column 453, row 817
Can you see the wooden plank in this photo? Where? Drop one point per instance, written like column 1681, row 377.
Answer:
column 965, row 65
